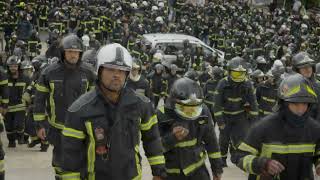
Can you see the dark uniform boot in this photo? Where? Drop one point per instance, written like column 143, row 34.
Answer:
column 2, row 176
column 34, row 143
column 44, row 147
column 12, row 144
column 224, row 162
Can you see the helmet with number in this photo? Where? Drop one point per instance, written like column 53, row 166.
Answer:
column 237, row 69
column 295, row 88
column 13, row 60
column 114, row 56
column 186, row 98
column 71, row 42
column 302, row 60
column 26, row 65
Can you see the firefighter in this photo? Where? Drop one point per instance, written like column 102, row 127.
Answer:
column 104, row 127
column 284, row 145
column 59, row 85
column 158, row 85
column 266, row 95
column 137, row 81
column 257, row 77
column 4, row 92
column 2, row 153
column 305, row 65
column 188, row 134
column 172, row 76
column 30, row 130
column 216, row 75
column 15, row 118
column 233, row 93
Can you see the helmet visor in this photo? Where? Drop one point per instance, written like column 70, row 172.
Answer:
column 188, row 112
column 238, row 76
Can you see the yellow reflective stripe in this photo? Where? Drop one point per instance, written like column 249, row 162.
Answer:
column 215, row 155
column 52, row 119
column 1, row 165
column 5, row 101
column 247, row 163
column 70, row 176
column 215, row 92
column 265, row 112
column 209, row 102
column 161, row 109
column 138, row 165
column 233, row 112
column 39, row 117
column 20, row 84
column 310, row 90
column 173, row 171
column 268, row 99
column 254, row 113
column 269, row 149
column 3, row 82
column 187, row 143
column 10, row 84
column 195, row 166
column 91, row 154
column 18, row 107
column 234, row 99
column 148, row 125
column 292, row 91
column 247, row 148
column 42, row 88
column 69, row 132
column 218, row 113
column 156, row 160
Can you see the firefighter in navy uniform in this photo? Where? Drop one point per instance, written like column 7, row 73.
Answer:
column 29, row 70
column 59, row 85
column 137, row 81
column 216, row 74
column 15, row 117
column 159, row 84
column 265, row 93
column 104, row 127
column 232, row 95
column 188, row 134
column 284, row 145
column 4, row 92
column 303, row 64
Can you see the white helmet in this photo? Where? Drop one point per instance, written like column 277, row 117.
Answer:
column 86, row 40
column 159, row 19
column 145, row 3
column 114, row 56
column 161, row 4
column 134, row 5
column 277, row 64
column 154, row 8
column 157, row 57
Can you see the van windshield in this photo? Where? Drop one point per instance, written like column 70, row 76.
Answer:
column 174, row 48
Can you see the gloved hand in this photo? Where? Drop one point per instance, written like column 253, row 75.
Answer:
column 273, row 167
column 180, row 132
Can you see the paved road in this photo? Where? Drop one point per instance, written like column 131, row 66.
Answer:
column 23, row 163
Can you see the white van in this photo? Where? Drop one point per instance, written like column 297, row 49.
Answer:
column 171, row 43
